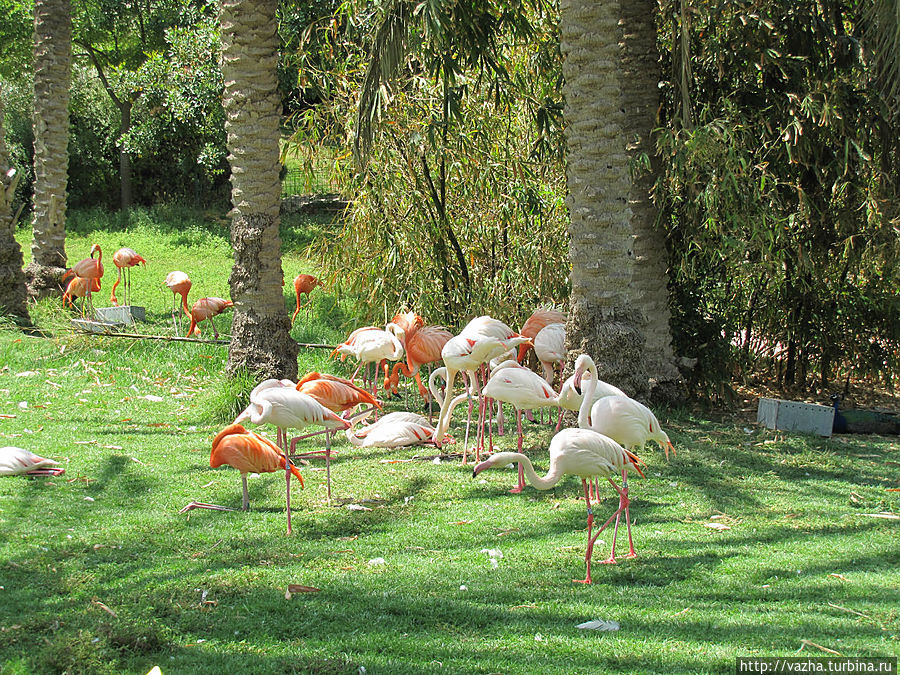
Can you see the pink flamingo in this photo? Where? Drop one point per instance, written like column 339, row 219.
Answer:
column 303, row 284
column 180, row 284
column 204, row 310
column 87, row 268
column 78, row 288
column 125, row 258
column 423, row 346
column 539, row 319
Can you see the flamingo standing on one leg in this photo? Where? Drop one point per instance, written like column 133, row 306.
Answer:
column 204, row 310
column 87, row 268
column 250, row 453
column 180, row 284
column 125, row 258
column 524, row 390
column 278, row 402
column 303, row 285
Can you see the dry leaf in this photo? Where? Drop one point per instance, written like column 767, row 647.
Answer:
column 99, row 604
column 463, row 522
column 887, row 516
column 298, row 588
column 599, row 624
column 716, row 526
column 839, row 576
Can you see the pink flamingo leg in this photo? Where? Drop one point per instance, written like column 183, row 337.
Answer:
column 623, row 501
column 559, row 421
column 590, row 542
column 631, row 553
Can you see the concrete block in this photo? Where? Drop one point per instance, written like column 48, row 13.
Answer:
column 89, row 326
column 125, row 314
column 783, row 415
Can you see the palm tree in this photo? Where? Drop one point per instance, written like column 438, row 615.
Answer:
column 640, row 78
column 12, row 279
column 603, row 320
column 261, row 341
column 52, row 74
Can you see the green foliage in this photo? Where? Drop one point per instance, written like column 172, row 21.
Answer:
column 780, row 200
column 453, row 214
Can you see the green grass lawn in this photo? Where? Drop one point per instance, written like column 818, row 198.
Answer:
column 99, row 573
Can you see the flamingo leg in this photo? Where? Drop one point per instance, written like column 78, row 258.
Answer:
column 521, row 484
column 559, row 421
column 245, row 499
column 590, row 542
column 500, row 418
column 631, row 553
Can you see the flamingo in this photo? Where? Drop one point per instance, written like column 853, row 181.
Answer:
column 180, row 284
column 278, row 402
column 335, row 393
column 550, row 349
column 570, row 396
column 249, row 453
column 78, row 288
column 303, row 284
column 125, row 258
column 370, row 345
column 18, row 461
column 423, row 346
column 87, row 268
column 204, row 310
column 524, row 390
column 467, row 354
column 540, row 318
column 620, row 417
column 394, row 430
column 586, row 454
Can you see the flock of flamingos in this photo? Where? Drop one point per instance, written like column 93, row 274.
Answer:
column 487, row 353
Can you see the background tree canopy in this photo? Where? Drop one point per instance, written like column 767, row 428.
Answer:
column 778, row 139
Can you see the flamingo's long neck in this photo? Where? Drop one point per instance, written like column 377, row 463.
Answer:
column 587, row 401
column 443, row 423
column 554, row 474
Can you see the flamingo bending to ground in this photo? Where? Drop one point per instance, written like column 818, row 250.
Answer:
column 87, row 268
column 279, row 403
column 250, row 453
column 550, row 349
column 524, row 390
column 78, row 288
column 180, row 284
column 124, row 259
column 303, row 284
column 586, row 454
column 18, row 461
column 204, row 310
column 370, row 345
column 423, row 346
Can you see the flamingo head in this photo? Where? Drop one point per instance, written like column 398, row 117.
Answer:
column 96, row 249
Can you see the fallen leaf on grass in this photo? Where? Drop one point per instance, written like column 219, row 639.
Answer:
column 8, row 417
column 297, row 588
column 809, row 643
column 716, row 526
column 394, row 461
column 684, row 611
column 838, row 576
column 357, row 507
column 888, row 516
column 97, row 603
column 463, row 522
column 85, row 442
column 845, row 609
column 599, row 624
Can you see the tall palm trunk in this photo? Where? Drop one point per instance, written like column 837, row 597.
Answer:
column 261, row 340
column 13, row 299
column 603, row 320
column 640, row 78
column 52, row 75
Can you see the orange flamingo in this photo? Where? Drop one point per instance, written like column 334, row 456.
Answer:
column 78, row 288
column 335, row 393
column 88, row 268
column 423, row 346
column 249, row 453
column 303, row 284
column 204, row 310
column 125, row 258
column 180, row 284
column 539, row 319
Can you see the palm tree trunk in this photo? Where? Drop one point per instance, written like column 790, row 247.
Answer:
column 603, row 321
column 261, row 341
column 13, row 298
column 640, row 78
column 52, row 74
